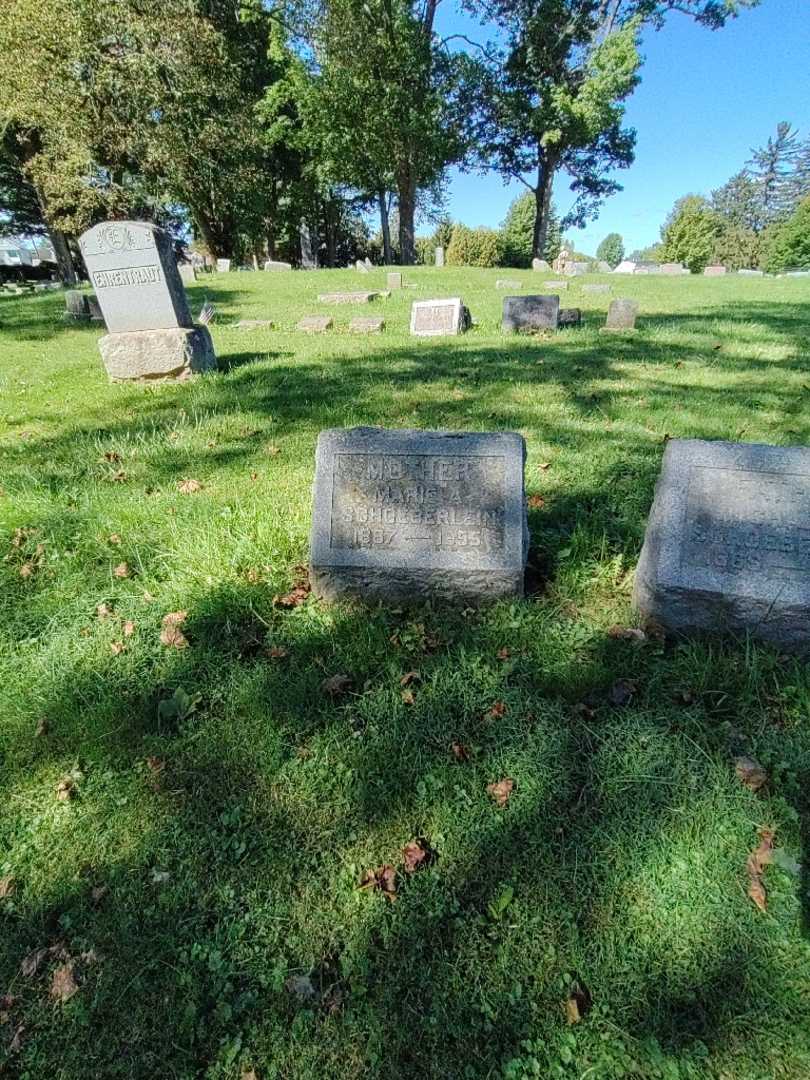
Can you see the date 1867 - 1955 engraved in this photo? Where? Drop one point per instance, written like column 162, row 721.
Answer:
column 418, row 502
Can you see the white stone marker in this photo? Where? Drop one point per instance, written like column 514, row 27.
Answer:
column 435, row 318
column 223, row 266
column 272, row 264
column 138, row 287
column 439, row 256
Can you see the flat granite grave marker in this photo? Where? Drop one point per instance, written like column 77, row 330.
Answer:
column 621, row 317
column 347, row 297
column 727, row 545
column 507, row 283
column 143, row 302
column 555, row 285
column 434, row 318
column 314, row 324
column 255, row 324
column 403, row 516
column 76, row 306
column 371, row 324
column 626, row 266
column 673, row 269
column 273, row 264
column 595, row 289
column 750, row 273
column 530, row 313
column 361, row 266
column 714, row 271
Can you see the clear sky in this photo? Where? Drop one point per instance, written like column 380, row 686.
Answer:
column 704, row 100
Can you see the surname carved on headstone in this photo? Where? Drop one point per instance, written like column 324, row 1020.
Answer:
column 727, row 545
column 402, row 516
column 530, row 313
column 143, row 302
column 434, row 318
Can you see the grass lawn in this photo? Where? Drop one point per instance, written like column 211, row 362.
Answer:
column 186, row 829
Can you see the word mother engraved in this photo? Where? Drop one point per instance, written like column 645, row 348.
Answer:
column 409, row 514
column 727, row 546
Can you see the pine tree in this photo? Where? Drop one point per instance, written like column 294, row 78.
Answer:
column 772, row 167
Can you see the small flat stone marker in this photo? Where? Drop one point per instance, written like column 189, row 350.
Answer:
column 555, row 286
column 751, row 273
column 714, row 271
column 255, row 324
column 530, row 313
column 403, row 516
column 144, row 305
column 540, row 264
column 315, row 324
column 727, row 545
column 393, row 280
column 570, row 316
column 347, row 297
column 506, row 283
column 372, row 324
column 434, row 318
column 223, row 266
column 273, row 264
column 621, row 317
column 596, row 289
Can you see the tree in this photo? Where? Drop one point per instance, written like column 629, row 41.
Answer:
column 771, row 168
column 517, row 232
column 556, row 94
column 652, row 254
column 611, row 250
column 787, row 245
column 690, row 233
column 474, row 247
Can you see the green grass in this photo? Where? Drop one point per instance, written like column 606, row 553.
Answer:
column 236, row 867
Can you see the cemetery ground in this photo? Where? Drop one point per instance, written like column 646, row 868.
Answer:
column 201, row 766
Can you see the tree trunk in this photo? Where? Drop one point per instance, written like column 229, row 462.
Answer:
column 64, row 257
column 406, row 192
column 382, row 199
column 542, row 196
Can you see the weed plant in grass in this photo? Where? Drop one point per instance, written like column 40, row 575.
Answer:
column 186, row 829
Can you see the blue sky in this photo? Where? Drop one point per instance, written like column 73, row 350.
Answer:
column 704, row 100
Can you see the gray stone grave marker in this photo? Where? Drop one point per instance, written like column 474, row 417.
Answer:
column 714, row 271
column 188, row 275
column 555, row 286
column 751, row 273
column 402, row 516
column 438, row 256
column 570, row 316
column 672, row 269
column 143, row 302
column 76, row 306
column 315, row 324
column 347, row 297
column 625, row 267
column 434, row 318
column 255, row 324
column 507, row 283
column 361, row 266
column 372, row 324
column 223, row 266
column 596, row 289
column 274, row 265
column 540, row 264
column 394, row 280
column 530, row 313
column 727, row 545
column 621, row 317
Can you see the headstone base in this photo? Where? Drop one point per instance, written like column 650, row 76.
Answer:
column 158, row 354
column 617, row 330
column 414, row 586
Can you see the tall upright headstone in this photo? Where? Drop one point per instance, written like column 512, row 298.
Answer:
column 727, row 546
column 403, row 516
column 309, row 251
column 540, row 264
column 621, row 316
column 223, row 266
column 393, row 279
column 439, row 256
column 188, row 275
column 150, row 331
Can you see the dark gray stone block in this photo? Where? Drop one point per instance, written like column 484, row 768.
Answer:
column 530, row 313
column 570, row 316
column 727, row 546
column 403, row 516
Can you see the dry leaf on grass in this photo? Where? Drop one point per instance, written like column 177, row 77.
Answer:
column 544, row 465
column 750, row 773
column 461, row 752
column 536, row 502
column 417, row 854
column 189, row 486
column 250, row 1074
column 277, row 652
column 501, row 791
column 104, row 611
column 300, row 590
column 503, row 654
column 42, row 727
column 627, row 633
column 114, row 538
column 121, row 571
column 578, row 1003
column 757, row 861
column 128, row 628
column 97, row 893
column 496, row 711
column 63, row 982
column 65, row 789
column 7, row 886
column 408, row 697
column 336, row 685
column 171, row 635
column 383, row 878
column 16, row 1042
column 32, row 962
column 117, row 647
column 409, row 677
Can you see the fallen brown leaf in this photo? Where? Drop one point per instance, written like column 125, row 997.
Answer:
column 250, row 1074
column 32, row 962
column 189, row 486
column 501, row 790
column 117, row 647
column 7, row 886
column 497, row 710
column 503, row 654
column 460, row 751
column 277, row 652
column 16, row 1042
column 171, row 635
column 416, row 854
column 408, row 697
column 114, row 538
column 750, row 773
column 128, row 628
column 112, row 455
column 121, row 571
column 383, row 878
column 42, row 727
column 103, row 611
column 118, row 477
column 627, row 633
column 300, row 590
column 536, row 502
column 409, row 677
column 544, row 465
column 63, row 982
column 578, row 1003
column 65, row 789
column 97, row 893
column 336, row 685
column 757, row 861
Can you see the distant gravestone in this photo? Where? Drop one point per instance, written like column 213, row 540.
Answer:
column 797, row 273
column 223, row 266
column 347, row 297
column 94, row 309
column 188, row 275
column 309, row 247
column 603, row 267
column 647, row 268
column 150, row 331
column 596, row 289
column 528, row 314
column 434, row 318
column 404, row 516
column 255, row 324
column 361, row 266
column 439, row 256
column 394, row 280
column 727, row 545
column 315, row 324
column 571, row 316
column 372, row 324
column 369, row 263
column 576, row 269
column 540, row 264
column 626, row 266
column 714, row 271
column 555, row 285
column 273, row 265
column 621, row 316
column 506, row 283
column 751, row 273
column 672, row 269
column 76, row 306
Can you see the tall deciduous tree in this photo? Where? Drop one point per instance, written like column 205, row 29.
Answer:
column 690, row 233
column 611, row 249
